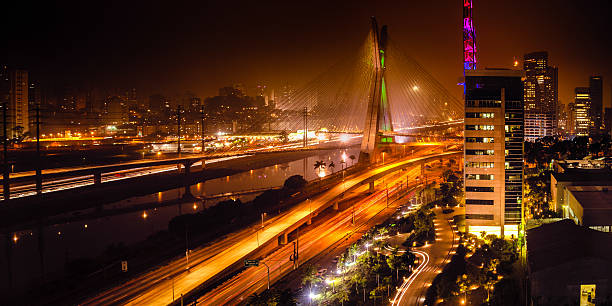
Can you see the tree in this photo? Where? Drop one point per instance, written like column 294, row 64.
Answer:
column 352, row 158
column 395, row 262
column 506, row 292
column 332, row 166
column 295, row 182
column 310, row 277
column 284, row 136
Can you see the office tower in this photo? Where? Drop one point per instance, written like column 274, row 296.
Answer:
column 493, row 144
column 540, row 96
column 596, row 90
column 581, row 112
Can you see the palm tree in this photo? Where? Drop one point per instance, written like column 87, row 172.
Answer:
column 332, row 166
column 352, row 157
column 319, row 164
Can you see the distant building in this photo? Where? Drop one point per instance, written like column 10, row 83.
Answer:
column 596, row 91
column 608, row 120
column 284, row 100
column 540, row 95
column 14, row 92
column 569, row 265
column 581, row 112
column 493, row 151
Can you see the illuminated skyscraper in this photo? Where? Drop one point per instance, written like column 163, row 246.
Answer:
column 14, row 93
column 582, row 111
column 541, row 95
column 493, row 151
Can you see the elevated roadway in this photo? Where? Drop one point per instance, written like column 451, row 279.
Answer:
column 229, row 252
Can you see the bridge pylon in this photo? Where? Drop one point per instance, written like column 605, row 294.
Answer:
column 378, row 116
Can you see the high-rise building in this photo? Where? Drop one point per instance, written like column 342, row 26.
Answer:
column 493, row 145
column 68, row 101
column 571, row 120
column 541, row 96
column 284, row 100
column 582, row 111
column 14, row 93
column 596, row 90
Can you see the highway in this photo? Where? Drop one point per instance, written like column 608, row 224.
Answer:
column 152, row 289
column 23, row 183
column 433, row 258
column 320, row 237
column 25, row 190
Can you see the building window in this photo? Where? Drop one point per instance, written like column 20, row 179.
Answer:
column 479, row 139
column 479, row 164
column 479, row 152
column 482, row 103
column 478, row 217
column 486, row 177
column 478, row 202
column 479, row 115
column 478, row 189
column 479, row 127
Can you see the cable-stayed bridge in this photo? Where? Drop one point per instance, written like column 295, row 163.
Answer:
column 379, row 92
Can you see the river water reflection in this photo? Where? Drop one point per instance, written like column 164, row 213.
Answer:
column 88, row 233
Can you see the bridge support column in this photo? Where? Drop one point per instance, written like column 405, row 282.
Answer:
column 97, row 178
column 282, row 239
column 371, row 190
column 309, row 222
column 335, row 205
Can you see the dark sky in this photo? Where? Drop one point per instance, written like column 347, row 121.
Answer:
column 175, row 47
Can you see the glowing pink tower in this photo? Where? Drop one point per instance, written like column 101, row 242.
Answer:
column 469, row 37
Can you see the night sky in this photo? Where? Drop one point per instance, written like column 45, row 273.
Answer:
column 177, row 47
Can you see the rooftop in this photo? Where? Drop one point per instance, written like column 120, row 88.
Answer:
column 596, row 202
column 556, row 243
column 600, row 176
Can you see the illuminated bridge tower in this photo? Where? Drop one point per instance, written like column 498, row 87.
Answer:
column 378, row 116
column 469, row 37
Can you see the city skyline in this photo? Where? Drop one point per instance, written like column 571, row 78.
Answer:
column 185, row 48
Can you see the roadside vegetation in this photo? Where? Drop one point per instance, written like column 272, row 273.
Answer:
column 483, row 271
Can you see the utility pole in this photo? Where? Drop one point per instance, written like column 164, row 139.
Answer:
column 38, row 160
column 5, row 171
column 305, row 126
column 202, row 127
column 178, row 115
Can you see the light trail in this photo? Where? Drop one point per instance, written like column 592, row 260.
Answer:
column 87, row 180
column 407, row 282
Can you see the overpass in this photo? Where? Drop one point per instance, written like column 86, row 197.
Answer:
column 233, row 250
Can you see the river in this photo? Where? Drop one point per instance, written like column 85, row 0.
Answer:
column 88, row 233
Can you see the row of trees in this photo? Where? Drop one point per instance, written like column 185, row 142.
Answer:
column 367, row 270
column 546, row 149
column 480, row 272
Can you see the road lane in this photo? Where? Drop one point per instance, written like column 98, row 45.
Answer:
column 437, row 256
column 233, row 251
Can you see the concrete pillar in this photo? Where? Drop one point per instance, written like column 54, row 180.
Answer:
column 97, row 178
column 187, row 168
column 282, row 239
column 309, row 222
column 371, row 190
column 336, row 205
